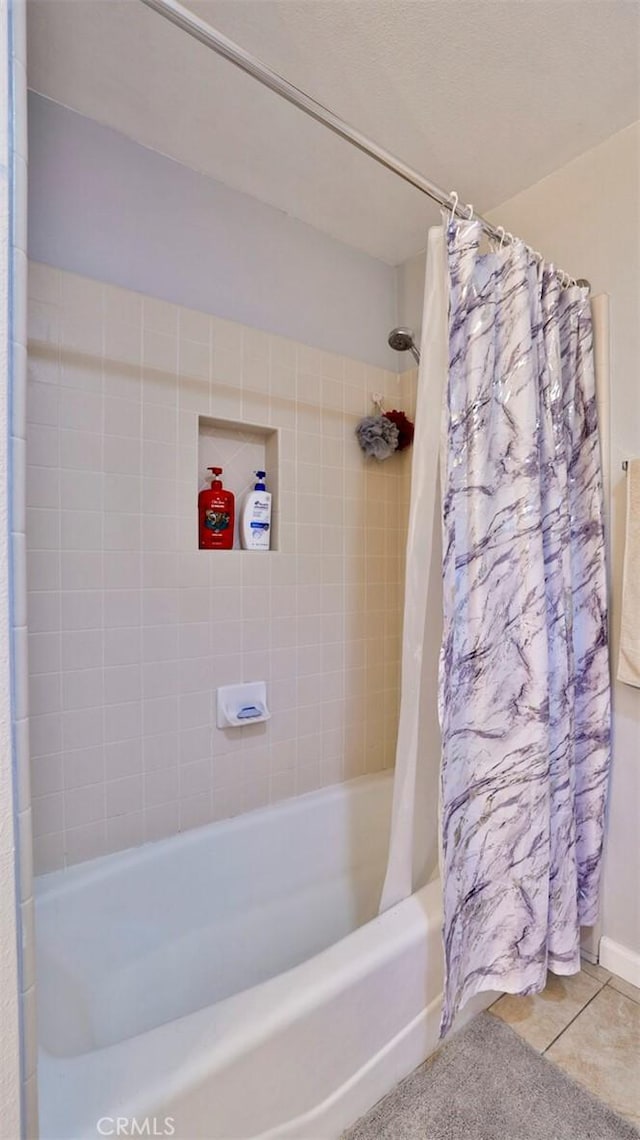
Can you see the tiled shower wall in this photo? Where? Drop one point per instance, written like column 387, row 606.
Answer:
column 131, row 627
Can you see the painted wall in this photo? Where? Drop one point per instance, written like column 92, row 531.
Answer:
column 105, row 207
column 410, row 294
column 585, row 217
column 132, row 628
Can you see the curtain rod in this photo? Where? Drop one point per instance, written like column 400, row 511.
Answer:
column 228, row 49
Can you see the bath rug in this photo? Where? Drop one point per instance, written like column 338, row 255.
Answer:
column 486, row 1083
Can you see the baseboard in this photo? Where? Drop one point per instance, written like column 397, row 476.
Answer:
column 620, row 960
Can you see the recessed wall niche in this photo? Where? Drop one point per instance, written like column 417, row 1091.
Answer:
column 240, row 449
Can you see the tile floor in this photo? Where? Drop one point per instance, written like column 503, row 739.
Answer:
column 588, row 1025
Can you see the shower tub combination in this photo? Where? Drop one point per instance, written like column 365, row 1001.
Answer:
column 237, row 978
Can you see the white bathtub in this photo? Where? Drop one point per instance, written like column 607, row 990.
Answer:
column 236, row 978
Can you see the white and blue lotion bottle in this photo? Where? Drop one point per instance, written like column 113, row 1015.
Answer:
column 255, row 522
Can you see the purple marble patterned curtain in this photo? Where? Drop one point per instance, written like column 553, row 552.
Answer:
column 524, row 674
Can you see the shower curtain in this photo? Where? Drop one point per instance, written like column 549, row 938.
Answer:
column 524, row 676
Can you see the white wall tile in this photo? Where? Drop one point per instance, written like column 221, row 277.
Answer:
column 84, row 805
column 122, row 646
column 43, row 445
column 43, row 529
column 122, row 722
column 44, row 653
column 83, row 766
column 161, row 787
column 125, row 831
column 159, row 423
column 161, row 820
column 81, row 728
column 160, row 679
column 195, row 811
column 121, row 569
column 122, row 683
column 122, row 417
column 121, row 531
column 194, row 710
column 122, row 493
column 46, row 775
column 82, row 492
column 196, row 674
column 45, row 734
column 48, row 853
column 42, row 403
column 121, row 455
column 44, row 611
column 132, row 628
column 48, row 814
column 159, row 751
column 122, row 608
column 81, row 609
column 160, row 715
column 195, row 744
column 79, row 450
column 122, row 758
column 86, row 842
column 81, row 570
column 124, row 796
column 43, row 571
column 160, row 607
column 81, row 530
column 44, row 693
column 80, row 410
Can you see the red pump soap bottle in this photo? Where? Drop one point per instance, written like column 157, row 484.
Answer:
column 216, row 513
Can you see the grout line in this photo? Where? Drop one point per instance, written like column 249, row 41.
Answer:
column 575, row 1018
column 615, row 977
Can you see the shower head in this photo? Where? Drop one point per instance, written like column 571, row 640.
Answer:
column 401, row 340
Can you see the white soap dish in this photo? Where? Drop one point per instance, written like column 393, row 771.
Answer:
column 239, row 705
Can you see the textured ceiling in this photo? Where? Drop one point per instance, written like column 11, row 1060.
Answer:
column 484, row 96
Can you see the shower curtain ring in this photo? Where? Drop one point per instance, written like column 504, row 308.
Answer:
column 500, row 230
column 470, row 209
column 453, row 195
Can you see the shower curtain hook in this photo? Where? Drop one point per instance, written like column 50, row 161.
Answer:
column 500, row 230
column 470, row 209
column 454, row 207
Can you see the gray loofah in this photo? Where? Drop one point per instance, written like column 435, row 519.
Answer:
column 377, row 436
